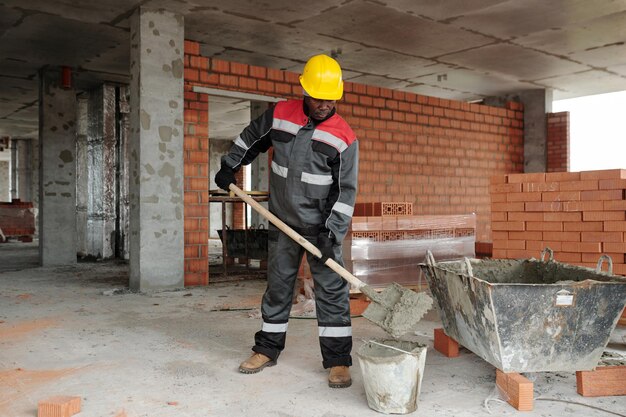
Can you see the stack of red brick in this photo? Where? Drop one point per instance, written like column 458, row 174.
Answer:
column 383, row 222
column 579, row 215
column 17, row 220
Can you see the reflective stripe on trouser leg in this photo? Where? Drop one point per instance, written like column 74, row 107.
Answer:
column 284, row 256
column 332, row 306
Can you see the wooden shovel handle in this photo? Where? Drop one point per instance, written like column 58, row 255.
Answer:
column 296, row 237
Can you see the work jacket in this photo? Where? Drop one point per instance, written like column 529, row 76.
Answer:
column 314, row 168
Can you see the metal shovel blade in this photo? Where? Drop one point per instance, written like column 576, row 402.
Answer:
column 396, row 309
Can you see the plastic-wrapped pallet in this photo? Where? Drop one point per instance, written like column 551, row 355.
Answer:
column 386, row 249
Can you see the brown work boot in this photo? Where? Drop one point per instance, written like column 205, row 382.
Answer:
column 255, row 363
column 339, row 377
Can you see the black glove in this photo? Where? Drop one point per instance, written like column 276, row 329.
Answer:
column 224, row 177
column 325, row 243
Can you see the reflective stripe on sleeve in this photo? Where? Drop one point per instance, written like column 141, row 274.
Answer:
column 279, row 170
column 316, row 179
column 274, row 327
column 286, row 126
column 239, row 142
column 330, row 139
column 335, row 331
column 343, row 209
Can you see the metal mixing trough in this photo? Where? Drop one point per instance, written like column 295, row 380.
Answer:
column 528, row 315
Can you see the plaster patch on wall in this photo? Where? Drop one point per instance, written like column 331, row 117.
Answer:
column 168, row 170
column 66, row 156
column 165, row 133
column 178, row 68
column 145, row 119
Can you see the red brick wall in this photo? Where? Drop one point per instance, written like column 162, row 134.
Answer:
column 558, row 142
column 579, row 215
column 434, row 153
column 196, row 161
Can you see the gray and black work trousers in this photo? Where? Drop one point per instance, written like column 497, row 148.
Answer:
column 332, row 301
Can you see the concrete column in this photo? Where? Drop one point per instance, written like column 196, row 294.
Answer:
column 156, row 150
column 24, row 169
column 34, row 181
column 537, row 103
column 97, row 177
column 82, row 174
column 102, row 175
column 5, row 181
column 57, row 173
column 13, row 172
column 123, row 209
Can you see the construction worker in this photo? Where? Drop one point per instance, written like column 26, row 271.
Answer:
column 313, row 184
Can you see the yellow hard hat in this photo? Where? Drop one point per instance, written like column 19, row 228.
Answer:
column 321, row 78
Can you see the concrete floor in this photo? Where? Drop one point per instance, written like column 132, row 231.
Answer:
column 76, row 331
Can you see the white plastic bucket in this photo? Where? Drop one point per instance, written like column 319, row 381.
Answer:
column 392, row 374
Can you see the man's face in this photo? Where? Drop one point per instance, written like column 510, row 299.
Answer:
column 319, row 109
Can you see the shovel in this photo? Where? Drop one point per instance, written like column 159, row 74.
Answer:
column 395, row 309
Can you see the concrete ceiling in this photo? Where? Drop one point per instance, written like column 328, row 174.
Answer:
column 461, row 50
